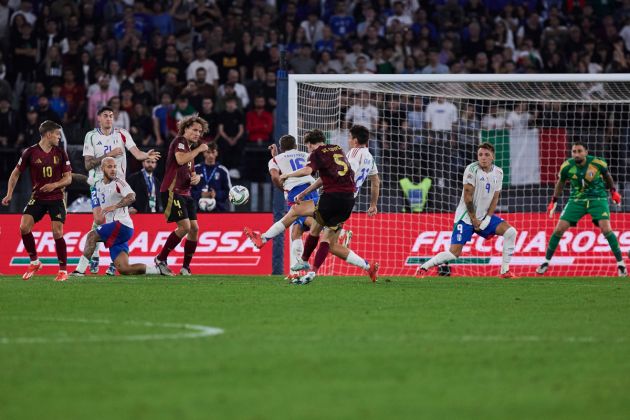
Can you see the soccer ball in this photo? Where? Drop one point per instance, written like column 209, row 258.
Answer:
column 239, row 195
column 207, row 204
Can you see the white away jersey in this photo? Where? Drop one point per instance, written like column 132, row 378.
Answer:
column 98, row 144
column 291, row 161
column 486, row 184
column 111, row 194
column 362, row 164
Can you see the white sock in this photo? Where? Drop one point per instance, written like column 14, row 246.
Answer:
column 96, row 254
column 621, row 263
column 509, row 238
column 440, row 258
column 275, row 230
column 83, row 264
column 151, row 269
column 354, row 259
column 297, row 247
column 35, row 262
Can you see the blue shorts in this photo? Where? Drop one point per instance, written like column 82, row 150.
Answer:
column 115, row 235
column 313, row 195
column 463, row 232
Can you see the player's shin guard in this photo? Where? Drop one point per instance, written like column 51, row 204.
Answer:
column 320, row 255
column 297, row 248
column 62, row 253
column 29, row 245
column 83, row 264
column 171, row 242
column 614, row 245
column 441, row 258
column 275, row 230
column 509, row 238
column 553, row 244
column 357, row 261
column 189, row 251
column 309, row 246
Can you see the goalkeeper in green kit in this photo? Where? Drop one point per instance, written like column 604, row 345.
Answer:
column 590, row 182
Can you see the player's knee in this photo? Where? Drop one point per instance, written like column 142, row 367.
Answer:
column 194, row 230
column 510, row 233
column 25, row 229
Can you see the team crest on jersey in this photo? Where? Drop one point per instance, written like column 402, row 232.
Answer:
column 55, row 160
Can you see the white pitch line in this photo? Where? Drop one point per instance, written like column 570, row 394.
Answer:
column 194, row 331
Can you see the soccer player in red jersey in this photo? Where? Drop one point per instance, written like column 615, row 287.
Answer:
column 50, row 174
column 179, row 206
column 335, row 204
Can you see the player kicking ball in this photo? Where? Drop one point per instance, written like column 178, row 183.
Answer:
column 50, row 173
column 590, row 182
column 475, row 212
column 111, row 198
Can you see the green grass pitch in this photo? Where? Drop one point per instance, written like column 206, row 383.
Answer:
column 339, row 348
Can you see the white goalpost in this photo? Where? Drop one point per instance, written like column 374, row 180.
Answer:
column 424, row 132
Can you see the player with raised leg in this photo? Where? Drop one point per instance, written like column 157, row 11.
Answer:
column 475, row 212
column 111, row 198
column 50, row 173
column 590, row 182
column 107, row 141
column 179, row 205
column 364, row 167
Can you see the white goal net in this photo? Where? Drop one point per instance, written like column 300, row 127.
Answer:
column 425, row 131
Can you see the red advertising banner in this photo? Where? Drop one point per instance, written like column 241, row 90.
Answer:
column 398, row 241
column 401, row 242
column 223, row 247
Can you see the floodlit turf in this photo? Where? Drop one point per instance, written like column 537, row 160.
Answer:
column 338, row 348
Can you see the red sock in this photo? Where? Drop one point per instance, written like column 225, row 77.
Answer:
column 309, row 246
column 29, row 245
column 171, row 242
column 189, row 251
column 320, row 255
column 62, row 253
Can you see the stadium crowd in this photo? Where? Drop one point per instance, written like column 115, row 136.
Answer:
column 155, row 62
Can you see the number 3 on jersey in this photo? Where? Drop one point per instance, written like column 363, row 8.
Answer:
column 338, row 157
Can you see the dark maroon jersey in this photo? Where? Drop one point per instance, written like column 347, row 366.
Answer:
column 46, row 168
column 334, row 169
column 177, row 177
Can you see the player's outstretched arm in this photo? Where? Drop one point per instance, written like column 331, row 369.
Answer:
column 13, row 179
column 375, row 191
column 305, row 171
column 140, row 155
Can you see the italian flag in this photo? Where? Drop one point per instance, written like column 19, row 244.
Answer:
column 528, row 156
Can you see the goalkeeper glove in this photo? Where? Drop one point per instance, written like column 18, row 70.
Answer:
column 551, row 208
column 616, row 197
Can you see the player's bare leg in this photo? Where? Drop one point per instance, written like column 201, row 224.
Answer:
column 561, row 227
column 126, row 269
column 443, row 257
column 183, row 227
column 509, row 239
column 91, row 242
column 189, row 247
column 328, row 236
column 26, row 230
column 304, row 208
column 349, row 256
column 62, row 252
column 606, row 229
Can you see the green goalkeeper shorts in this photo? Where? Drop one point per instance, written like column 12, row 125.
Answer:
column 575, row 210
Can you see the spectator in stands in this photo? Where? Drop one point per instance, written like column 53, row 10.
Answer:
column 434, row 66
column 215, row 180
column 341, row 24
column 121, row 117
column 146, row 185
column 227, row 59
column 161, row 116
column 228, row 93
column 44, row 111
column 202, row 61
column 519, row 118
column 401, row 15
column 58, row 103
column 239, row 89
column 494, row 120
column 99, row 99
column 440, row 115
column 473, row 42
column 141, row 125
column 363, row 113
column 259, row 122
column 231, row 138
column 313, row 27
column 269, row 90
column 74, row 94
column 303, row 63
column 8, row 123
